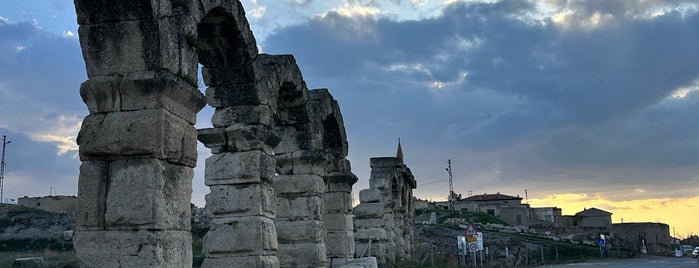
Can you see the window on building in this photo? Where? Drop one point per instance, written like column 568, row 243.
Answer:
column 491, row 212
column 519, row 219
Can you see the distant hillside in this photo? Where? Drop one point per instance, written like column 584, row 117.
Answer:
column 24, row 228
column 522, row 248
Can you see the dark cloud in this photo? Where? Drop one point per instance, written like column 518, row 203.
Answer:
column 42, row 67
column 491, row 81
column 40, row 76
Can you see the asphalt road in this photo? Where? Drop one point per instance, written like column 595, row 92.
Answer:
column 639, row 262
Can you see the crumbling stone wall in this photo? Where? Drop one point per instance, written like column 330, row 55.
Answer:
column 386, row 210
column 279, row 150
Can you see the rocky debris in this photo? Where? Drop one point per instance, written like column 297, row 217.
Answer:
column 368, row 262
column 29, row 262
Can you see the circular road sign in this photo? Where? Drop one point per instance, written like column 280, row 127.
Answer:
column 473, row 247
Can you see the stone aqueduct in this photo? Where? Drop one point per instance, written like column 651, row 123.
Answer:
column 279, row 178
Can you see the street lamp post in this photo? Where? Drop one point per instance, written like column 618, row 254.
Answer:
column 5, row 142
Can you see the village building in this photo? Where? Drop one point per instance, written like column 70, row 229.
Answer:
column 51, row 203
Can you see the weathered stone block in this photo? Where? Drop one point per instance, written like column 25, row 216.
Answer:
column 92, row 193
column 299, row 185
column 370, row 210
column 383, row 251
column 340, row 244
column 301, row 162
column 340, row 202
column 375, row 234
column 143, row 248
column 369, row 223
column 123, row 47
column 101, row 94
column 243, row 137
column 241, row 200
column 102, row 11
column 366, row 262
column 239, row 168
column 246, row 261
column 378, row 181
column 256, row 93
column 154, row 132
column 235, row 75
column 289, row 232
column 302, row 255
column 369, row 196
column 248, row 114
column 300, row 208
column 295, row 139
column 161, row 89
column 148, row 194
column 214, row 139
column 339, row 165
column 338, row 221
column 29, row 262
column 253, row 235
column 385, row 162
column 338, row 187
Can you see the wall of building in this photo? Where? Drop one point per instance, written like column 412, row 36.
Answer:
column 595, row 221
column 548, row 214
column 515, row 216
column 656, row 236
column 53, row 203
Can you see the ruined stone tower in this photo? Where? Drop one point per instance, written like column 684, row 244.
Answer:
column 280, row 181
column 385, row 214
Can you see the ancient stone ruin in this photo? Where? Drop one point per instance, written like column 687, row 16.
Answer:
column 280, row 181
column 385, row 214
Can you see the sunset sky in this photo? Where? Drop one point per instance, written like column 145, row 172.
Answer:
column 582, row 103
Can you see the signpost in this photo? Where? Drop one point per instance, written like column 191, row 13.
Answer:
column 471, row 241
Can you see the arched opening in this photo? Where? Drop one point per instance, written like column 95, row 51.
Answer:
column 139, row 141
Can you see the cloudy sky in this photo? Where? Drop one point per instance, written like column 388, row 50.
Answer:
column 581, row 103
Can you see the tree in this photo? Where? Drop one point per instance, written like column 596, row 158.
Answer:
column 454, row 196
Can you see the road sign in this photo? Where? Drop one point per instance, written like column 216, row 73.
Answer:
column 471, row 231
column 473, row 247
column 461, row 243
column 479, row 240
column 472, row 239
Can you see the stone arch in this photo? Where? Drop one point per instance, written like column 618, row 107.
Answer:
column 269, row 132
column 138, row 144
column 338, row 177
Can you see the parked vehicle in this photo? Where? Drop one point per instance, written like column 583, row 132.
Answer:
column 695, row 253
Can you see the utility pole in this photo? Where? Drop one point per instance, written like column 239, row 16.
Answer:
column 451, row 187
column 5, row 142
column 526, row 196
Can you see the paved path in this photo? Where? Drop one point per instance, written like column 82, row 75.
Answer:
column 639, row 262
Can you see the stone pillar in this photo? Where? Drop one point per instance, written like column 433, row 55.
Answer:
column 240, row 174
column 338, row 213
column 300, row 188
column 138, row 144
column 374, row 221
